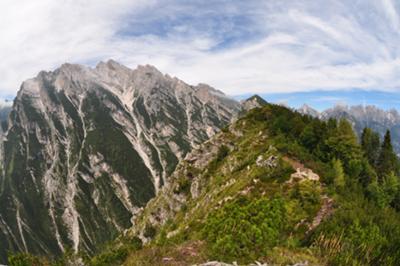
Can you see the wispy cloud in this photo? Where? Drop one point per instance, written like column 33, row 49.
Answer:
column 237, row 46
column 330, row 99
column 391, row 11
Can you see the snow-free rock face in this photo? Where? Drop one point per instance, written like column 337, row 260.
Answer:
column 253, row 102
column 363, row 116
column 86, row 148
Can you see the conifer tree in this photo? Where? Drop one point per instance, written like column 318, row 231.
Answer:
column 391, row 186
column 343, row 145
column 368, row 174
column 370, row 145
column 387, row 161
column 339, row 177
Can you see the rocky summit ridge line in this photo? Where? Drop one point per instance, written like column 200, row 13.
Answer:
column 86, row 148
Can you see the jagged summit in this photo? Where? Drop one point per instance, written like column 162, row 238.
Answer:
column 111, row 65
column 127, row 84
column 148, row 69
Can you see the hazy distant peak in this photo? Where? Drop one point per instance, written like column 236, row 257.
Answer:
column 308, row 110
column 305, row 107
column 5, row 103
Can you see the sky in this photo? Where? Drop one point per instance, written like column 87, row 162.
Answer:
column 324, row 47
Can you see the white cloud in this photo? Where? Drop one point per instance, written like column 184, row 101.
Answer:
column 392, row 13
column 236, row 46
column 42, row 34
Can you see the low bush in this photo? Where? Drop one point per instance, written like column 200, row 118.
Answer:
column 244, row 231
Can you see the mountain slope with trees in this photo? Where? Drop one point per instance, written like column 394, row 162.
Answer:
column 277, row 187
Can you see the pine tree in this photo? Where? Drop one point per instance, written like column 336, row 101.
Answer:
column 343, row 144
column 387, row 161
column 386, row 192
column 339, row 177
column 368, row 174
column 370, row 145
column 391, row 186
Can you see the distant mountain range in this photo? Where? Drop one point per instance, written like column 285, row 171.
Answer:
column 5, row 109
column 363, row 116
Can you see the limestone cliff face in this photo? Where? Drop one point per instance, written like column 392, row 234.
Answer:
column 86, row 148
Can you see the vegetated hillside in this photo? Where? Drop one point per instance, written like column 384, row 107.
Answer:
column 277, row 187
column 86, row 148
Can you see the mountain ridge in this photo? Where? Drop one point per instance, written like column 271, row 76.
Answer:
column 96, row 145
column 87, row 149
column 275, row 187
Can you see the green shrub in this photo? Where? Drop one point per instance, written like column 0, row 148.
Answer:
column 116, row 253
column 112, row 257
column 359, row 233
column 183, row 186
column 23, row 259
column 223, row 151
column 150, row 231
column 309, row 195
column 244, row 231
column 135, row 243
column 281, row 172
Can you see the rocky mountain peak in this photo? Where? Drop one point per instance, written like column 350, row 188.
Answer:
column 111, row 66
column 254, row 101
column 91, row 146
column 69, row 68
column 29, row 87
column 148, row 70
column 67, row 71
